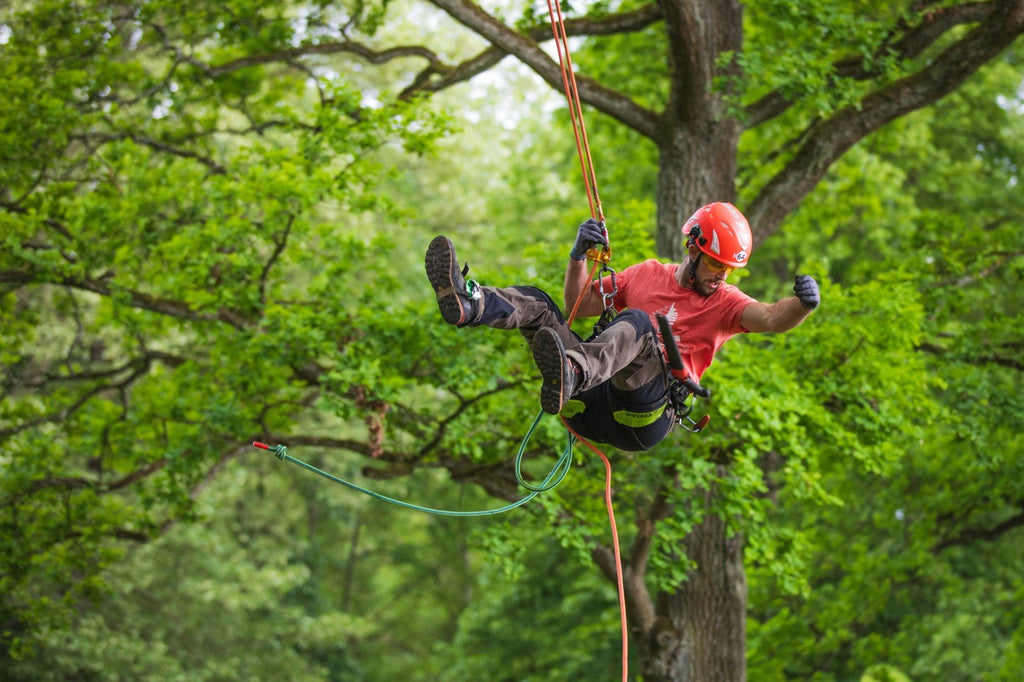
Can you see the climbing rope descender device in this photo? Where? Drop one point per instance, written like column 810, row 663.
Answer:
column 602, row 256
column 681, row 386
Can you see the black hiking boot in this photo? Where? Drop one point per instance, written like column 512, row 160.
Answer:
column 556, row 371
column 458, row 299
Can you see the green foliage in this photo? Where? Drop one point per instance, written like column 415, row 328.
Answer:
column 794, row 47
column 556, row 621
column 205, row 241
column 174, row 284
column 913, row 569
column 261, row 588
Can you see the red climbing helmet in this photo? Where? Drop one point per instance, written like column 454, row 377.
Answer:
column 722, row 232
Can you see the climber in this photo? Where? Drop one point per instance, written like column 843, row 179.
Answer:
column 614, row 388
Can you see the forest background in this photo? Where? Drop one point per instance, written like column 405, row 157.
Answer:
column 212, row 229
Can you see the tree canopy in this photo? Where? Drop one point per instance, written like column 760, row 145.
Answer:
column 213, row 218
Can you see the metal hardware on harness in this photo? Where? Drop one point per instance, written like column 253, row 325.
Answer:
column 680, row 385
column 678, row 392
column 603, row 255
column 602, row 323
column 606, row 297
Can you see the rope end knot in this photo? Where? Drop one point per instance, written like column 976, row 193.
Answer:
column 280, row 451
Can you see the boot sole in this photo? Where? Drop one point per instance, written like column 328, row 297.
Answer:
column 549, row 355
column 442, row 272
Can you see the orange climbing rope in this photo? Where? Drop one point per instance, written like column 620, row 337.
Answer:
column 572, row 96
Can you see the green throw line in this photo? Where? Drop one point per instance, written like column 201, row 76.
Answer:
column 554, row 477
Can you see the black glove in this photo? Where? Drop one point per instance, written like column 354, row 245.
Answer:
column 591, row 232
column 806, row 289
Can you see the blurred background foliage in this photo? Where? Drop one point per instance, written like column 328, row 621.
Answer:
column 199, row 250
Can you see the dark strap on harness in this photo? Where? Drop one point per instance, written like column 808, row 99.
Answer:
column 602, row 322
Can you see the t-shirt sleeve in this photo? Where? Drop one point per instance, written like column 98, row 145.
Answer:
column 732, row 308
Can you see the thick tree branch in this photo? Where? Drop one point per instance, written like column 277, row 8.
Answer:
column 526, row 49
column 933, row 25
column 831, row 138
column 137, row 299
column 437, row 77
column 640, row 606
column 642, row 611
column 155, row 145
column 971, row 535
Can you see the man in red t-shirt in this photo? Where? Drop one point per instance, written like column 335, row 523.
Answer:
column 615, row 388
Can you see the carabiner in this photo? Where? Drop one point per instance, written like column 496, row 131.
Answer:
column 606, row 297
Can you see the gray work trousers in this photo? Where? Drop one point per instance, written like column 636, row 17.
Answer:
column 622, row 399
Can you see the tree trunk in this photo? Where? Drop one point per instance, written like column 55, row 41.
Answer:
column 699, row 631
column 698, row 167
column 697, row 139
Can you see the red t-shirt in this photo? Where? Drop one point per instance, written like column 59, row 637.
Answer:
column 700, row 325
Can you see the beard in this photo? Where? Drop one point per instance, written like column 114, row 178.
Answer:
column 707, row 287
column 687, row 276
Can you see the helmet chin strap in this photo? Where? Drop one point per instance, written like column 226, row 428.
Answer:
column 692, row 274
